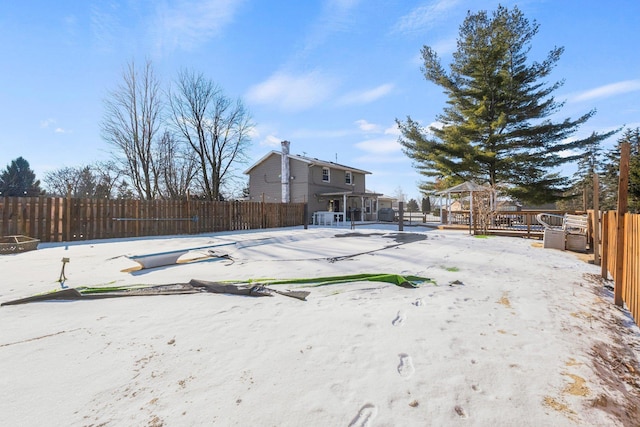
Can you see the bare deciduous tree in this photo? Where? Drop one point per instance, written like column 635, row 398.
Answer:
column 131, row 124
column 95, row 181
column 215, row 127
column 178, row 167
column 107, row 174
column 58, row 182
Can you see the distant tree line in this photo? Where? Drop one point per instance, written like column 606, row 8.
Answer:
column 97, row 180
column 187, row 139
column 605, row 163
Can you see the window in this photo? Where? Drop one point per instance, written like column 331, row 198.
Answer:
column 348, row 179
column 325, row 174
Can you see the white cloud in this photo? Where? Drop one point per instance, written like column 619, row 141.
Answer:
column 380, row 146
column 105, row 25
column 336, row 16
column 292, row 92
column 365, row 126
column 270, row 141
column 608, row 90
column 184, row 24
column 393, row 130
column 47, row 122
column 50, row 123
column 254, row 132
column 366, row 96
column 443, row 47
column 422, row 17
column 437, row 125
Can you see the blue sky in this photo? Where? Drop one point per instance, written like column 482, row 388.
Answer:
column 331, row 76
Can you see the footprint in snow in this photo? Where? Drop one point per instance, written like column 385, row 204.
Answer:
column 419, row 302
column 399, row 320
column 365, row 416
column 460, row 411
column 405, row 368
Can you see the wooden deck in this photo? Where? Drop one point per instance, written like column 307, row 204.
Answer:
column 532, row 234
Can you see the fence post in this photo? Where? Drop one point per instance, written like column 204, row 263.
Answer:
column 67, row 220
column 189, row 214
column 263, row 214
column 623, row 187
column 400, row 216
column 604, row 271
column 306, row 216
column 596, row 220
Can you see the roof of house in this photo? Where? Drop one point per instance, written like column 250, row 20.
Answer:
column 309, row 160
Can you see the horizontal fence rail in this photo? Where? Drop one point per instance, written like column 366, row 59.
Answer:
column 57, row 219
column 520, row 223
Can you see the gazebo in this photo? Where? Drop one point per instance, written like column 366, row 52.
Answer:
column 466, row 187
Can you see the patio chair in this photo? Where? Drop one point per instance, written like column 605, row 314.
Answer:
column 566, row 231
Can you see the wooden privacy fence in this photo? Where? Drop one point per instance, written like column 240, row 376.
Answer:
column 631, row 258
column 57, row 219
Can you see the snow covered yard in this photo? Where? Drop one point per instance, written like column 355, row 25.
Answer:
column 509, row 334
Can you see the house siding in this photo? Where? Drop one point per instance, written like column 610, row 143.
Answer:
column 300, row 181
column 336, row 181
column 264, row 180
column 336, row 184
column 306, row 183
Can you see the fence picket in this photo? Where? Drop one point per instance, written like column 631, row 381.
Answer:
column 631, row 260
column 57, row 219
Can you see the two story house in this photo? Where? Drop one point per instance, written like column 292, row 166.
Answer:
column 324, row 186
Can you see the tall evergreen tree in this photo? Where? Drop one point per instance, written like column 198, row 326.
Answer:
column 634, row 171
column 426, row 204
column 19, row 180
column 496, row 126
column 580, row 194
column 412, row 205
column 612, row 170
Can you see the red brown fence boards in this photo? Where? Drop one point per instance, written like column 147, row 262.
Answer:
column 611, row 247
column 56, row 219
column 632, row 264
column 631, row 259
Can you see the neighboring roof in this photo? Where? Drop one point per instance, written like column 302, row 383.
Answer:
column 465, row 187
column 309, row 160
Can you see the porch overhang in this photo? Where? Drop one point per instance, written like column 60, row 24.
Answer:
column 350, row 195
